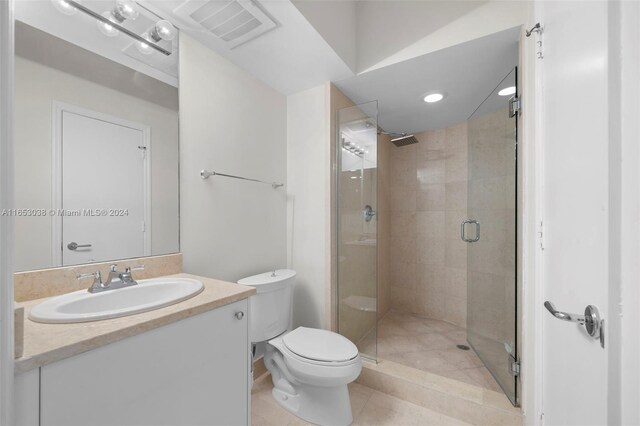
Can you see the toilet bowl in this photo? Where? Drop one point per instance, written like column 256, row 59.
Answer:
column 310, row 368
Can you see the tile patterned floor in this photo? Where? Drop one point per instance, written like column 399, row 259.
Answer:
column 430, row 345
column 369, row 407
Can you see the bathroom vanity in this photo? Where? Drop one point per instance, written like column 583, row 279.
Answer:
column 188, row 363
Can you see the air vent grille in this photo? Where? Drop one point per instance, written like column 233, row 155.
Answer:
column 233, row 21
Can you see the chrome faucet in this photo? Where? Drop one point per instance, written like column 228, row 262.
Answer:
column 115, row 279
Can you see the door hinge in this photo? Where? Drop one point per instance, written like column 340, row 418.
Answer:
column 541, row 236
column 143, row 149
column 514, row 366
column 514, row 106
column 143, row 226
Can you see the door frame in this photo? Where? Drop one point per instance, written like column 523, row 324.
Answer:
column 56, row 190
column 6, row 202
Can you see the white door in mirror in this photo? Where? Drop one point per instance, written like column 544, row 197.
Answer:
column 147, row 295
column 103, row 188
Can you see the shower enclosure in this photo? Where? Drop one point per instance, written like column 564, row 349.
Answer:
column 447, row 203
column 357, row 225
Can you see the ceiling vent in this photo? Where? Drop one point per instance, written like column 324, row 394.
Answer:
column 231, row 21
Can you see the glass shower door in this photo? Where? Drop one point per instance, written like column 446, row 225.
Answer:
column 357, row 229
column 490, row 230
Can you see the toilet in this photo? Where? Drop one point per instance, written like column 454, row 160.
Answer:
column 310, row 368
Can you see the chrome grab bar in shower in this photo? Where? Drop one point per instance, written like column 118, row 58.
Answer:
column 462, row 231
column 205, row 174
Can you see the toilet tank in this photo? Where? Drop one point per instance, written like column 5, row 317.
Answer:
column 270, row 307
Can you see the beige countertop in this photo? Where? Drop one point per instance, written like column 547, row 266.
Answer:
column 48, row 343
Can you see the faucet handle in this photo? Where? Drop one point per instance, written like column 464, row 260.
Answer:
column 128, row 269
column 97, row 277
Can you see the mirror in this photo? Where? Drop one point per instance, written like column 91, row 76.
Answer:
column 96, row 127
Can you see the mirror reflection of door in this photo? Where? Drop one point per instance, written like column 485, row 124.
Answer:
column 103, row 192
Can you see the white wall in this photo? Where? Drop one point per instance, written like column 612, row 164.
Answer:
column 308, row 176
column 230, row 122
column 37, row 87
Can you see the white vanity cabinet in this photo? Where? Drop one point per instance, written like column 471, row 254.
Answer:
column 191, row 372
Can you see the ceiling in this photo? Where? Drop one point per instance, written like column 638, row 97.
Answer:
column 467, row 73
column 290, row 58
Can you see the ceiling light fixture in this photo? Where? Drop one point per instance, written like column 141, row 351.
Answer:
column 163, row 30
column 144, row 47
column 507, row 91
column 125, row 9
column 64, row 7
column 433, row 97
column 107, row 28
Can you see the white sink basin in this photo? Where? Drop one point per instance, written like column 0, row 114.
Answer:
column 82, row 306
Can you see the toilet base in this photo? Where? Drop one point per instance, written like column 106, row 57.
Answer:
column 328, row 406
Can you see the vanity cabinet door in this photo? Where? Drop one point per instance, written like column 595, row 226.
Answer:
column 26, row 398
column 191, row 372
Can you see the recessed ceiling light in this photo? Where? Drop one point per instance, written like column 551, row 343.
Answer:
column 507, row 91
column 433, row 97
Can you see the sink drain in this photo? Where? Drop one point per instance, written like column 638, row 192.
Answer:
column 463, row 347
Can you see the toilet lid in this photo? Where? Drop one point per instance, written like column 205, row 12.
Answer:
column 320, row 345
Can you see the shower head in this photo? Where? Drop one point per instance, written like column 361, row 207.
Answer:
column 401, row 139
column 404, row 140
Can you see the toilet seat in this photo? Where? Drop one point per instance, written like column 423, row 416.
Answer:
column 320, row 346
column 312, row 371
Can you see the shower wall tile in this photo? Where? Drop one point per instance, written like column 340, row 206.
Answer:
column 430, row 279
column 431, row 252
column 429, row 304
column 431, row 197
column 456, row 165
column 455, row 310
column 428, row 200
column 403, row 199
column 403, row 224
column 453, row 220
column 403, row 248
column 403, row 173
column 455, row 282
column 431, row 170
column 456, row 196
column 383, row 220
column 430, row 225
column 403, row 275
column 455, row 253
column 433, row 140
column 456, row 136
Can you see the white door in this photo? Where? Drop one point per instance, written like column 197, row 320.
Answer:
column 575, row 143
column 103, row 188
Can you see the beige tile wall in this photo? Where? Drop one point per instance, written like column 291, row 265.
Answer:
column 428, row 200
column 384, row 225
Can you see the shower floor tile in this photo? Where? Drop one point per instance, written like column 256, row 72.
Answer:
column 430, row 345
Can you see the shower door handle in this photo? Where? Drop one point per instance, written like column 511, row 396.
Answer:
column 462, row 231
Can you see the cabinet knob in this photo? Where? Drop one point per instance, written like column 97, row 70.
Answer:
column 239, row 315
